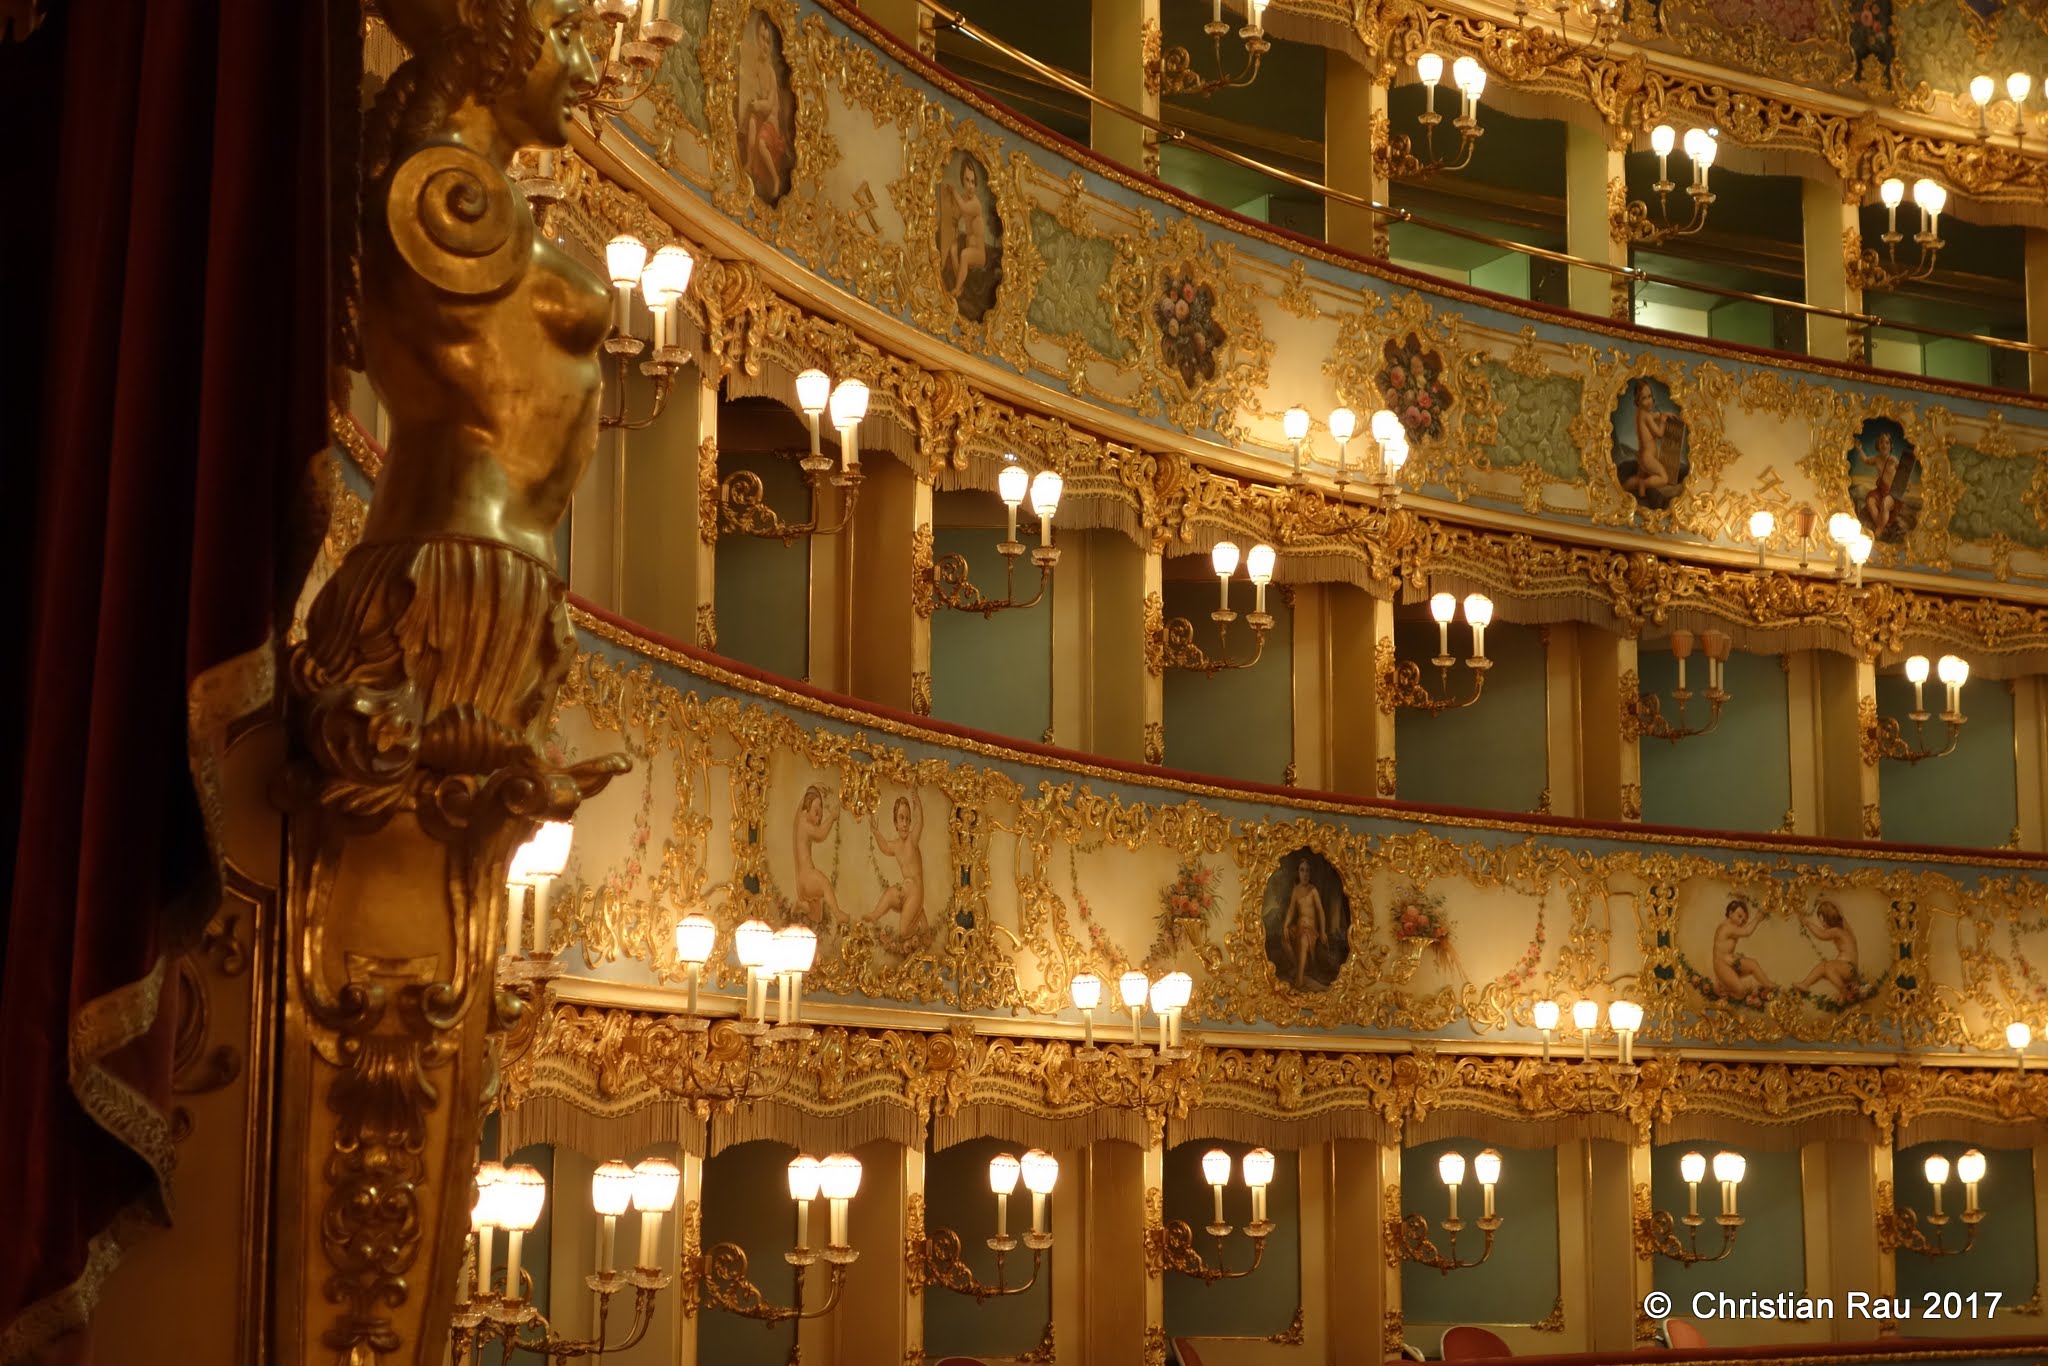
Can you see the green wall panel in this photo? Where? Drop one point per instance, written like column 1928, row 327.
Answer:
column 1492, row 755
column 957, row 1197
column 993, row 673
column 746, row 1190
column 1736, row 778
column 2004, row 1258
column 1518, row 1284
column 1968, row 799
column 763, row 590
column 1240, row 722
column 1770, row 1248
column 1255, row 1306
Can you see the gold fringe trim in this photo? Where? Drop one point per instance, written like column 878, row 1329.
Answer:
column 1708, row 1127
column 766, row 1119
column 1516, row 1133
column 1287, row 1134
column 1064, row 1134
column 1982, row 1131
column 569, row 1124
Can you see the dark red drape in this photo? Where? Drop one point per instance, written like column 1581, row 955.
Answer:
column 164, row 256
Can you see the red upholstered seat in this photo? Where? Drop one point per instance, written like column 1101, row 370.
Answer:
column 1684, row 1333
column 1466, row 1343
column 962, row 1361
column 1185, row 1353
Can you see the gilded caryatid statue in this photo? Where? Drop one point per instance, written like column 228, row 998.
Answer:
column 437, row 647
column 422, row 690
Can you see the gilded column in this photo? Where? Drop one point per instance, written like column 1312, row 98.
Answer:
column 2037, row 306
column 2030, row 755
column 1152, row 686
column 670, row 515
column 1610, row 757
column 1832, row 239
column 1154, row 1168
column 1356, row 1264
column 889, row 656
column 1806, row 755
column 1595, row 187
column 420, row 693
column 1846, row 705
column 1354, row 129
column 1122, row 33
column 1617, row 1198
column 1562, row 670
column 1120, row 1192
column 1387, row 1183
column 1315, row 705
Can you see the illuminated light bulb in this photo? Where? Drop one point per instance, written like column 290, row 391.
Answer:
column 1450, row 1168
column 1625, row 1015
column 696, row 937
column 1223, row 559
column 625, row 256
column 1662, row 138
column 1693, row 1167
column 1041, row 1171
column 2018, row 1035
column 1003, row 1171
column 1545, row 1013
column 1443, row 608
column 1761, row 524
column 1259, row 564
column 804, row 1176
column 1216, row 1169
column 545, row 855
column 1430, row 67
column 1953, row 670
column 1937, row 1170
column 1343, row 424
column 1730, row 1167
column 1916, row 669
column 1087, row 990
column 1970, row 1167
column 1981, row 88
column 1930, row 196
column 1295, row 423
column 752, row 942
column 1693, row 138
column 1011, row 484
column 2018, row 86
column 1395, row 455
column 1710, row 147
column 655, row 1182
column 1386, row 426
column 1892, row 192
column 1843, row 528
column 1860, row 546
column 611, row 1189
column 1469, row 76
column 813, row 391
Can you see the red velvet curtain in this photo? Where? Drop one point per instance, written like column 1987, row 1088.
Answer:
column 165, row 261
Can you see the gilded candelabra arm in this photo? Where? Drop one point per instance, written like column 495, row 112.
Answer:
column 936, row 1261
column 1401, row 163
column 1171, row 1247
column 743, row 505
column 1658, row 1233
column 1650, row 720
column 661, row 367
column 951, row 588
column 1899, row 1230
column 1409, row 1238
column 718, row 1277
column 1401, row 685
column 1634, row 224
column 1179, row 651
column 1174, row 70
column 1869, row 271
column 628, row 66
column 1884, row 737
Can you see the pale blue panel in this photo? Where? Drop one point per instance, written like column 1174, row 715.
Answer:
column 1240, row 722
column 1255, row 1306
column 957, row 1197
column 2003, row 1259
column 763, row 589
column 1968, row 799
column 993, row 673
column 1492, row 755
column 1739, row 776
column 1518, row 1284
column 746, row 1201
column 1770, row 1249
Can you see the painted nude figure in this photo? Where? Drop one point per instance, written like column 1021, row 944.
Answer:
column 1303, row 927
column 1827, row 925
column 763, row 110
column 1735, row 973
column 814, row 822
column 1651, row 425
column 966, row 234
column 906, row 896
column 1880, row 501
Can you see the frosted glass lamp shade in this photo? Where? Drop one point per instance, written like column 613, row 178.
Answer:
column 1045, row 493
column 545, row 855
column 1216, row 1167
column 1430, row 67
column 1343, row 423
column 1003, row 1171
column 1916, row 669
column 1585, row 1014
column 1258, row 1169
column 1486, row 1167
column 655, row 1182
column 1450, row 1169
column 849, row 403
column 796, row 948
column 2018, row 1035
column 1545, row 1014
column 1258, row 565
column 1295, row 423
column 1970, row 1167
column 1443, row 608
column 611, row 1188
column 1729, row 1166
column 1662, row 139
column 1041, row 1171
column 522, row 1192
column 1133, row 988
column 1693, row 1167
column 1087, row 990
column 696, row 937
column 803, row 1177
column 1223, row 559
column 1761, row 524
column 1478, row 609
column 1012, row 483
column 839, row 1176
column 625, row 256
column 813, row 391
column 1937, row 1170
column 669, row 273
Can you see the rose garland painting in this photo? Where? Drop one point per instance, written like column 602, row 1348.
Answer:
column 1189, row 334
column 1411, row 382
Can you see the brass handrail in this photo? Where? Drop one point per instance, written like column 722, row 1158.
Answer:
column 953, row 20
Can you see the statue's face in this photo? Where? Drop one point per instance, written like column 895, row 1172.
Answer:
column 536, row 111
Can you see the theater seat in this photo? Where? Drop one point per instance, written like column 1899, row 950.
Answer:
column 1683, row 1333
column 1184, row 1352
column 1466, row 1343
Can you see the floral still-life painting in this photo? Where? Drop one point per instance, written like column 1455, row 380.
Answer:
column 1190, row 336
column 1792, row 21
column 1870, row 33
column 1184, row 909
column 1308, row 921
column 1651, row 453
column 1881, row 480
column 764, row 109
column 1411, row 382
column 970, row 241
column 1420, row 923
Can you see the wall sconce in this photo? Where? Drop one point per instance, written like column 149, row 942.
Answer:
column 1635, row 222
column 1086, row 989
column 742, row 499
column 1545, row 1013
column 1604, row 14
column 1900, row 1228
column 936, row 1260
column 1387, row 434
column 781, row 957
column 1762, row 523
column 1648, row 710
column 1885, row 740
column 1658, row 1232
column 512, row 1198
column 1174, row 71
column 718, row 1275
column 662, row 280
column 2017, row 1037
column 1868, row 271
column 2018, row 86
column 1133, row 988
column 950, row 587
column 1852, row 547
column 1469, row 78
column 628, row 71
column 535, row 866
column 1169, row 996
column 1178, row 649
column 1171, row 1247
column 1585, row 1019
column 1625, row 1017
column 1401, row 680
column 1410, row 1236
column 696, row 941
